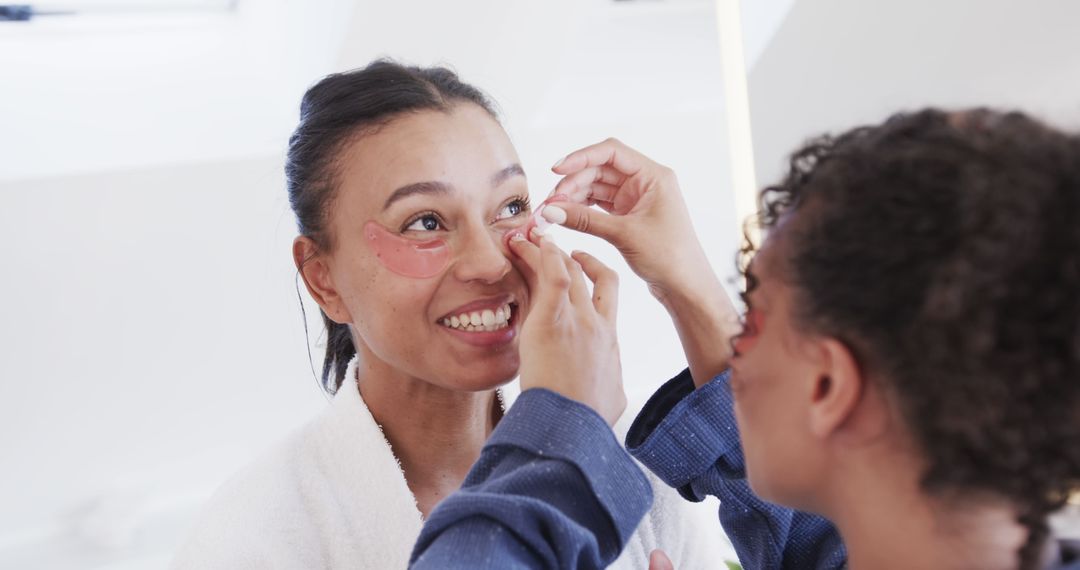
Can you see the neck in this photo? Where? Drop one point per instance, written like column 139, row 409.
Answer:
column 888, row 521
column 436, row 433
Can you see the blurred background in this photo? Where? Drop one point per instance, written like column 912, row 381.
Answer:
column 152, row 339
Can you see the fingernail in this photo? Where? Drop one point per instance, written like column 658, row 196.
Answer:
column 517, row 236
column 535, row 234
column 554, row 214
column 558, row 164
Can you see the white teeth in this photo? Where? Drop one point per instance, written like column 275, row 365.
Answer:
column 486, row 320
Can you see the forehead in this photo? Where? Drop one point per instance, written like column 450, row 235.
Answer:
column 764, row 264
column 463, row 147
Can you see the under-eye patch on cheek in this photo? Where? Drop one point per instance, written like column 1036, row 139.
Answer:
column 407, row 257
column 751, row 332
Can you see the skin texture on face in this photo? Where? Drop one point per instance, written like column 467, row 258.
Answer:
column 446, row 181
column 772, row 370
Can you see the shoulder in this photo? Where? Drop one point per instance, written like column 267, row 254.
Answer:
column 250, row 519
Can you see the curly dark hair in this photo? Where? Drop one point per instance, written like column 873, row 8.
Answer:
column 944, row 249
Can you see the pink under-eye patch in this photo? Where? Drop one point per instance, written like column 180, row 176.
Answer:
column 751, row 332
column 407, row 257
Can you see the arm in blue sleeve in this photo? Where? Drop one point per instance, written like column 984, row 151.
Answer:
column 553, row 488
column 689, row 438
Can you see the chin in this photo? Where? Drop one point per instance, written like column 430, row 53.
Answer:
column 762, row 485
column 780, row 491
column 488, row 377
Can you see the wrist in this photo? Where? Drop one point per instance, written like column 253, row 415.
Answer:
column 706, row 321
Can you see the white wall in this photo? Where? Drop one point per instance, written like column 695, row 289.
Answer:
column 835, row 64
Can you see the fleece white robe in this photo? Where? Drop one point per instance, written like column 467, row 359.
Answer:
column 333, row 495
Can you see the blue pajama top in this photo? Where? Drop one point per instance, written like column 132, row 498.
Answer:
column 553, row 488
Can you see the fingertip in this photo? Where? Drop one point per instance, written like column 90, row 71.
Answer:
column 581, row 258
column 514, row 239
column 554, row 214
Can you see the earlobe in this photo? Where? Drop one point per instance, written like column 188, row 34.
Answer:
column 317, row 278
column 836, row 390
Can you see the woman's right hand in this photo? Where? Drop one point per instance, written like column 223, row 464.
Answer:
column 568, row 339
column 647, row 220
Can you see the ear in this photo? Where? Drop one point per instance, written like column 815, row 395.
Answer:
column 313, row 268
column 837, row 389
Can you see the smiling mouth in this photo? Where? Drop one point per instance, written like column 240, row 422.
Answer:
column 487, row 320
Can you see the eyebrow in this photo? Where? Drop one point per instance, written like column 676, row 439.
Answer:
column 434, row 187
column 430, row 187
column 506, row 174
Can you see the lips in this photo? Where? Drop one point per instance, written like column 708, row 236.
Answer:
column 494, row 320
column 486, row 320
column 484, row 315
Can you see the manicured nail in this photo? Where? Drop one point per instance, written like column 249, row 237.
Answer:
column 554, row 214
column 558, row 164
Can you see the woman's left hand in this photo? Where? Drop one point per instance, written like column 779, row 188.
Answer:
column 568, row 340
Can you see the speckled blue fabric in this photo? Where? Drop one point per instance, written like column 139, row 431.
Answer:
column 689, row 438
column 553, row 488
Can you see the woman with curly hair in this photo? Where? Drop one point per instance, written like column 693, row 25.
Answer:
column 909, row 363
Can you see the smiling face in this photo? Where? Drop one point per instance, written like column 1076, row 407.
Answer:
column 419, row 268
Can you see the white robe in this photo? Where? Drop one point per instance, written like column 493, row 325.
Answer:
column 332, row 495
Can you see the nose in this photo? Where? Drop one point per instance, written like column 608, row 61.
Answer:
column 481, row 256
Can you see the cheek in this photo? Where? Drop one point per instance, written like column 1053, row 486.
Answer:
column 405, row 257
column 758, row 417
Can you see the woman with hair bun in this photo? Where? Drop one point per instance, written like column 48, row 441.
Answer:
column 405, row 188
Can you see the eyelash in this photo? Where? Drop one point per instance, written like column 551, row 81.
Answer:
column 522, row 201
column 421, row 216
